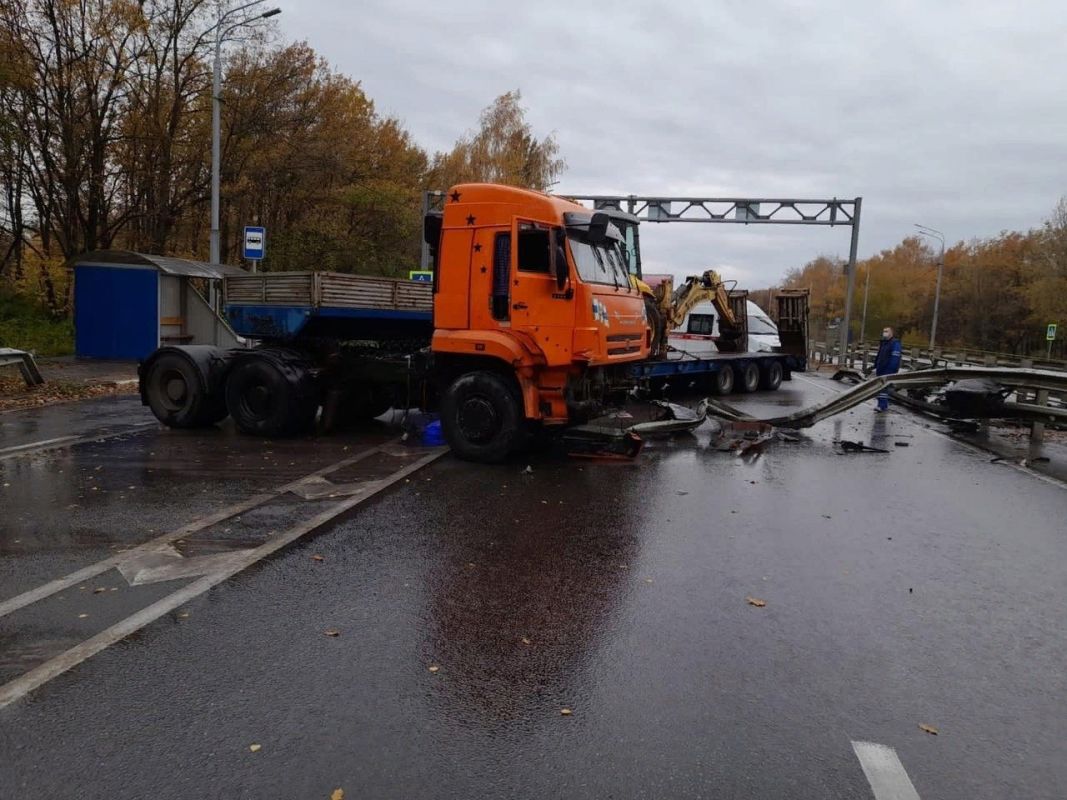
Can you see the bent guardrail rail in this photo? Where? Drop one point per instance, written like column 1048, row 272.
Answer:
column 1038, row 380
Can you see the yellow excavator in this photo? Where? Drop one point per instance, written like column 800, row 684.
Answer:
column 667, row 307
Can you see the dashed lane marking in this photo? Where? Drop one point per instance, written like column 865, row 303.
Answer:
column 220, row 570
column 885, row 773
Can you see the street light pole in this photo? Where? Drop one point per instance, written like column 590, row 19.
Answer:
column 216, row 113
column 939, row 236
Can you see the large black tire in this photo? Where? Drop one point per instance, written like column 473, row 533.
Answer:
column 722, row 381
column 771, row 376
column 481, row 417
column 177, row 395
column 266, row 397
column 748, row 377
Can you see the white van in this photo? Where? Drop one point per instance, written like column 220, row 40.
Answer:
column 700, row 329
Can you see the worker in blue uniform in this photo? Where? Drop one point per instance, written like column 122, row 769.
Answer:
column 887, row 362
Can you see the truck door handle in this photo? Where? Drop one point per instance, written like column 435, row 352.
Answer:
column 520, row 306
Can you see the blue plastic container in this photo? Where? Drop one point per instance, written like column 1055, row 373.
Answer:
column 432, row 436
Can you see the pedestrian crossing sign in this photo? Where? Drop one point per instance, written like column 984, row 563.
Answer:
column 1051, row 335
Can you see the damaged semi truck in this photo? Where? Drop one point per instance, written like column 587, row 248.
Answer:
column 532, row 322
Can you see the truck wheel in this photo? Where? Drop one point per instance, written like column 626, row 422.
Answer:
column 177, row 396
column 265, row 402
column 481, row 417
column 771, row 378
column 722, row 382
column 748, row 377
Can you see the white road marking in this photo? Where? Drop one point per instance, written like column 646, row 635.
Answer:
column 885, row 773
column 26, row 683
column 66, row 441
column 91, row 571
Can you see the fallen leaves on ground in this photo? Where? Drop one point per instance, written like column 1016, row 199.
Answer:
column 331, row 632
column 928, row 729
column 337, row 794
column 434, row 668
column 525, row 640
column 255, row 748
column 317, row 557
column 566, row 712
column 15, row 394
column 755, row 601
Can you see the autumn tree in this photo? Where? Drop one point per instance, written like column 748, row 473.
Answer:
column 504, row 150
column 306, row 154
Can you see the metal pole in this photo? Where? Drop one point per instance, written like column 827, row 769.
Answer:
column 866, row 291
column 424, row 260
column 933, row 233
column 937, row 295
column 216, row 112
column 216, row 90
column 850, row 283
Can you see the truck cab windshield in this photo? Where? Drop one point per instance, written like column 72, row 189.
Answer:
column 598, row 263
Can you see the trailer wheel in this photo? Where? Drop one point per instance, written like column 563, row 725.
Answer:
column 265, row 402
column 481, row 417
column 722, row 382
column 748, row 377
column 177, row 395
column 772, row 375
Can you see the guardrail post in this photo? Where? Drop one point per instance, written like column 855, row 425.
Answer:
column 1037, row 429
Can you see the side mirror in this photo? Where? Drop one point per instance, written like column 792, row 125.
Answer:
column 559, row 260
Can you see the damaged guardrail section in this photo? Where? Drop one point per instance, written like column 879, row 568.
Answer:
column 1028, row 379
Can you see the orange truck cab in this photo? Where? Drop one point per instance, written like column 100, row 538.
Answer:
column 534, row 314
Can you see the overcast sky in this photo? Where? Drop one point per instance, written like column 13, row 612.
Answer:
column 953, row 115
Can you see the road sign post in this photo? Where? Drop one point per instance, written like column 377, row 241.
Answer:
column 1050, row 335
column 255, row 244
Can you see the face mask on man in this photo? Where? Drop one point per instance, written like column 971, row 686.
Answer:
column 887, row 333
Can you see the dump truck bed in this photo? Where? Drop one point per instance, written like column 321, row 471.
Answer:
column 284, row 305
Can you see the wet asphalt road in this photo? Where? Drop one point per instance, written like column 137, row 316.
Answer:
column 924, row 586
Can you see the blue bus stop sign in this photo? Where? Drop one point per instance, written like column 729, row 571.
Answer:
column 255, row 243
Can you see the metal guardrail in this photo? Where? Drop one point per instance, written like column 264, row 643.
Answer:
column 25, row 362
column 861, row 356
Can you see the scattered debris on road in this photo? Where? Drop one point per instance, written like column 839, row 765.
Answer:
column 857, row 447
column 755, row 601
column 930, row 729
column 331, row 632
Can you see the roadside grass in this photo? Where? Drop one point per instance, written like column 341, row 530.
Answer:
column 24, row 325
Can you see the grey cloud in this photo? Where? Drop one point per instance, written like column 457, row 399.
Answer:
column 949, row 114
